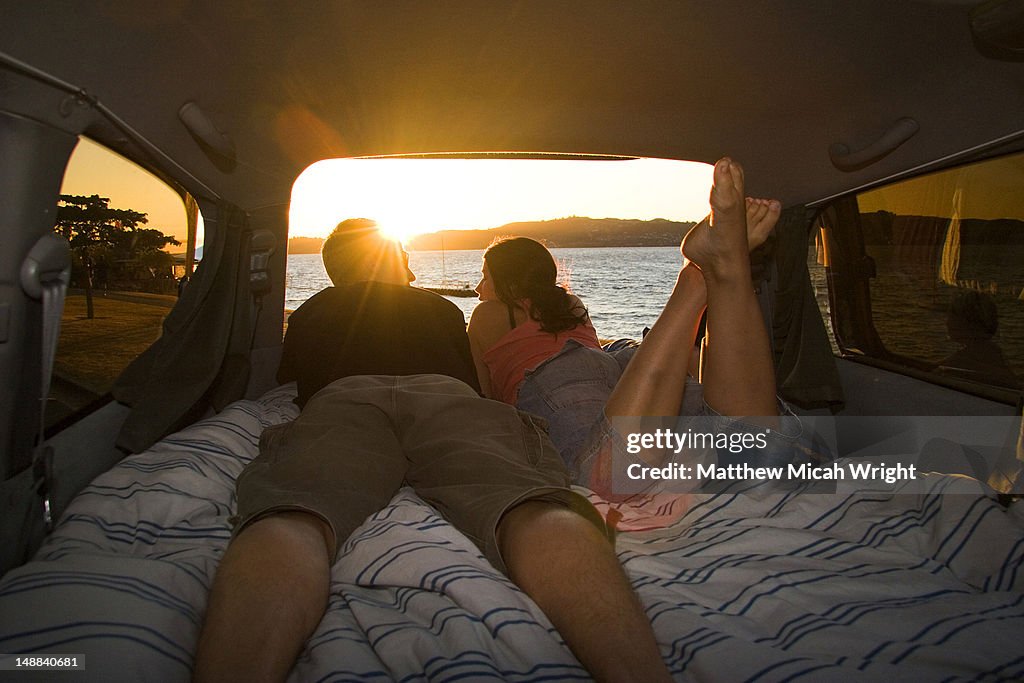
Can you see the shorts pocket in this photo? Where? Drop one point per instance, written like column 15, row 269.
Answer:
column 269, row 440
column 535, row 438
column 581, row 375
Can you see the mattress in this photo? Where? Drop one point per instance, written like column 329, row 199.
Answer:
column 894, row 584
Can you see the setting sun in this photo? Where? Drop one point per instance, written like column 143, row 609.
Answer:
column 412, row 196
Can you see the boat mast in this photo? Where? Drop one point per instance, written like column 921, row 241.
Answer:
column 444, row 270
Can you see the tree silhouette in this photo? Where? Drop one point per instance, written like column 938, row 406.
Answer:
column 102, row 237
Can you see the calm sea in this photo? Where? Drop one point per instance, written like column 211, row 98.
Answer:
column 624, row 288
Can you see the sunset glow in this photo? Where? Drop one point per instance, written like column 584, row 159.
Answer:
column 411, row 196
column 93, row 169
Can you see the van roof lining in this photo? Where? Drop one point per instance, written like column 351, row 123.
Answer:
column 651, row 80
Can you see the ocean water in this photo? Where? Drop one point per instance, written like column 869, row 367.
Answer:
column 624, row 288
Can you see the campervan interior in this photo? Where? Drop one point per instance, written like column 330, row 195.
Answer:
column 892, row 133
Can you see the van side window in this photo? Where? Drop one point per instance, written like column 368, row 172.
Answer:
column 928, row 274
column 129, row 234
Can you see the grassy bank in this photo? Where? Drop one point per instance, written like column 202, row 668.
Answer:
column 92, row 353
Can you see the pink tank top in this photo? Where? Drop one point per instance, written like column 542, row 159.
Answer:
column 524, row 348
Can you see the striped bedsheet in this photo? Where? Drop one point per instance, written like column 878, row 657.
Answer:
column 879, row 586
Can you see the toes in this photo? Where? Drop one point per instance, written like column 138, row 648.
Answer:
column 757, row 209
column 727, row 185
column 762, row 210
column 721, row 178
column 737, row 176
column 758, row 230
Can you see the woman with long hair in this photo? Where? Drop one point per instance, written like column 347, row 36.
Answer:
column 535, row 347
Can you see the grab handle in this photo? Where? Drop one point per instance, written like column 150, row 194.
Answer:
column 846, row 160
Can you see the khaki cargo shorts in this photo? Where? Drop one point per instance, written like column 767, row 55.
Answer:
column 361, row 438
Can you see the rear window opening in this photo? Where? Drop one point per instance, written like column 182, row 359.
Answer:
column 613, row 225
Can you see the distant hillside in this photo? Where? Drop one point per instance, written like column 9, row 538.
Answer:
column 305, row 245
column 564, row 232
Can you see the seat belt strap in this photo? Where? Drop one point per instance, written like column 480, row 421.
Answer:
column 262, row 244
column 45, row 274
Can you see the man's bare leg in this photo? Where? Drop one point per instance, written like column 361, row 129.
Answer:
column 570, row 570
column 269, row 594
column 739, row 379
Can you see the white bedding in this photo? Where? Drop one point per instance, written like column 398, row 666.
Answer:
column 813, row 587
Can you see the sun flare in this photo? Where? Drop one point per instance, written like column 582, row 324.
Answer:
column 397, row 231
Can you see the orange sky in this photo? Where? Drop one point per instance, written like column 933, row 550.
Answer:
column 93, row 169
column 986, row 190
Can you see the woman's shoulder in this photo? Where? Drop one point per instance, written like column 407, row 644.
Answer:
column 488, row 324
column 487, row 311
column 489, row 318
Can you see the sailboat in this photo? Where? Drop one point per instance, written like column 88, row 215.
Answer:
column 459, row 288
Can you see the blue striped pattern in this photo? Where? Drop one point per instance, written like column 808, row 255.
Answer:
column 881, row 585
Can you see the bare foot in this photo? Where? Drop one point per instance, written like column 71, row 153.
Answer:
column 762, row 215
column 719, row 245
